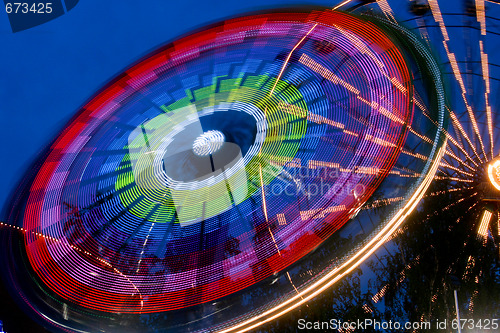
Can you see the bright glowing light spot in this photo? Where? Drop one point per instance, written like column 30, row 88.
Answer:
column 485, row 221
column 208, row 143
column 494, row 173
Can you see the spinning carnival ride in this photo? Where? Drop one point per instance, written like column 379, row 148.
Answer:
column 229, row 176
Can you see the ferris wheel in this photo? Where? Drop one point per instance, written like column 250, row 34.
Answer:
column 236, row 173
column 464, row 37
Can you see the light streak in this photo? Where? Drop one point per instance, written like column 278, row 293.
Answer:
column 320, row 212
column 367, row 308
column 288, row 58
column 472, row 299
column 454, row 179
column 457, row 170
column 384, row 5
column 363, row 49
column 380, row 141
column 436, row 12
column 485, row 221
column 291, row 282
column 382, row 110
column 455, row 157
column 380, row 294
column 494, row 173
column 481, row 17
column 450, row 206
column 144, row 245
column 486, row 78
column 417, row 155
column 423, row 137
column 471, row 261
column 281, row 219
column 312, row 164
column 60, row 241
column 264, row 208
column 341, row 4
column 326, row 73
column 498, row 223
column 313, row 117
column 464, row 134
column 433, row 194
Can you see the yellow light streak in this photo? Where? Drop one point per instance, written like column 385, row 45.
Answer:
column 485, row 221
column 447, row 166
column 472, row 299
column 341, row 4
column 380, row 141
column 288, row 58
column 367, row 308
column 384, row 5
column 316, row 118
column 419, row 103
column 351, row 133
column 421, row 136
column 436, row 13
column 451, row 205
column 362, row 48
column 281, row 219
column 455, row 157
column 460, row 180
column 380, row 294
column 498, row 223
column 349, row 265
column 312, row 164
column 264, row 208
column 481, row 15
column 313, row 117
column 457, row 123
column 382, row 110
column 382, row 202
column 326, row 73
column 144, row 245
column 60, row 241
column 417, row 155
column 486, row 78
column 433, row 194
column 471, row 261
column 320, row 212
column 293, row 285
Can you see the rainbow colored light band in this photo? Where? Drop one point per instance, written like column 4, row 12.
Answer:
column 121, row 219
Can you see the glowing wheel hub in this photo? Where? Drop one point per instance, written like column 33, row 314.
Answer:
column 494, row 173
column 208, row 143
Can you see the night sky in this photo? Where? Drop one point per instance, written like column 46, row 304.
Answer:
column 49, row 71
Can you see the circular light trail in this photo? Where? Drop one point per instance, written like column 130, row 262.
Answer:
column 216, row 167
